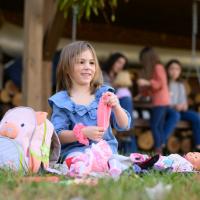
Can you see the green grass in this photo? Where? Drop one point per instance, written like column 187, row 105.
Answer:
column 128, row 187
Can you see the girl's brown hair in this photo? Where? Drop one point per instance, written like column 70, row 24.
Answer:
column 68, row 58
column 167, row 66
column 149, row 59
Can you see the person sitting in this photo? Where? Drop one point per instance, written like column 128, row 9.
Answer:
column 179, row 99
column 122, row 83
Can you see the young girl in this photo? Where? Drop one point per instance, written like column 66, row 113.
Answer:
column 179, row 99
column 79, row 89
column 163, row 119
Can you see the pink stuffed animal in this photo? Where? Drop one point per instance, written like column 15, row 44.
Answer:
column 33, row 132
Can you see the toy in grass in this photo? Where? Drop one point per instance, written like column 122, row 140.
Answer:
column 194, row 159
column 30, row 135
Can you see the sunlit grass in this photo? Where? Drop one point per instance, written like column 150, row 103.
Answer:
column 129, row 186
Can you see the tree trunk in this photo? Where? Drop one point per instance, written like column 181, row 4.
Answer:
column 33, row 94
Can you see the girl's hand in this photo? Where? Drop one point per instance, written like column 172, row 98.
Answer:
column 93, row 132
column 143, row 82
column 111, row 100
column 185, row 107
column 178, row 107
column 119, row 113
column 181, row 107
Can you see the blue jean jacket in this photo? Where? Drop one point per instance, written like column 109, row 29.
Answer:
column 67, row 113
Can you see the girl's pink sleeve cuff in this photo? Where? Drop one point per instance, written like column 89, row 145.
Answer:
column 77, row 130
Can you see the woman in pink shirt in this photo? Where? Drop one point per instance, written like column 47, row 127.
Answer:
column 163, row 118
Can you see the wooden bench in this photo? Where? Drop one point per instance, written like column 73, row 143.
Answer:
column 142, row 123
column 145, row 142
column 144, row 135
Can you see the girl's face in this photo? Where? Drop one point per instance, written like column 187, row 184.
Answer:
column 174, row 71
column 84, row 69
column 119, row 65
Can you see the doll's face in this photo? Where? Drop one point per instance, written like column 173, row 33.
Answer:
column 195, row 156
column 194, row 159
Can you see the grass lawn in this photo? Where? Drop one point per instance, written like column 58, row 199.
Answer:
column 129, row 186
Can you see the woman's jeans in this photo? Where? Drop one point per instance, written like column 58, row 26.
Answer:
column 128, row 146
column 194, row 118
column 163, row 122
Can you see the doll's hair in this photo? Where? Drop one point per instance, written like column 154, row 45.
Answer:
column 68, row 58
column 169, row 63
column 123, row 79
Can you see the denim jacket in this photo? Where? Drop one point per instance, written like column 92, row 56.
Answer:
column 66, row 113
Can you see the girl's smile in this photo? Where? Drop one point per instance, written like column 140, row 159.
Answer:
column 86, row 75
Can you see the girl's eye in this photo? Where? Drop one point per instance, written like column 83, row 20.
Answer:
column 92, row 63
column 81, row 62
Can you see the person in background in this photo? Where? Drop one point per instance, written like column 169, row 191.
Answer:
column 179, row 99
column 163, row 119
column 115, row 63
column 122, row 83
